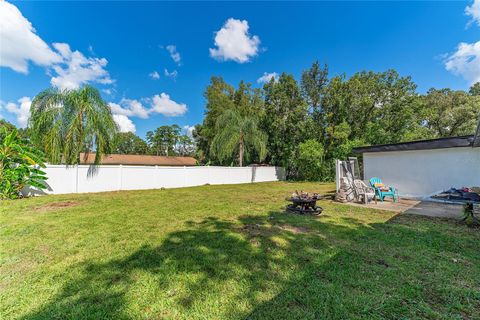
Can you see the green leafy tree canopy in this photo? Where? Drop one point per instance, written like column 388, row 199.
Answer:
column 239, row 135
column 129, row 143
column 65, row 123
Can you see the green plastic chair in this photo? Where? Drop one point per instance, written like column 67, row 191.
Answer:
column 381, row 194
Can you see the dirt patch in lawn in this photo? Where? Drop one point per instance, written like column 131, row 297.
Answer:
column 56, row 205
column 253, row 229
column 293, row 229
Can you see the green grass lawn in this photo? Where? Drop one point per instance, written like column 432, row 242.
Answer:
column 229, row 252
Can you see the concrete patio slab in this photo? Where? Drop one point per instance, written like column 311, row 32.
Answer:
column 400, row 206
column 409, row 206
column 437, row 209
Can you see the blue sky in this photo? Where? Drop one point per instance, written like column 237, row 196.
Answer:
column 118, row 46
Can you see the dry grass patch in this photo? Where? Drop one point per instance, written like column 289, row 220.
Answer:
column 56, row 205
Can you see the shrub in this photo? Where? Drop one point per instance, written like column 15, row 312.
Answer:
column 19, row 165
column 310, row 160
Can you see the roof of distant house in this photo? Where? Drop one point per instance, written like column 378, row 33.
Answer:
column 142, row 160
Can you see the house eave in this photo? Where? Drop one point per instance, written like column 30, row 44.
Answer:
column 431, row 144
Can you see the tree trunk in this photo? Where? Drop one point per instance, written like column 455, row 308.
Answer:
column 240, row 152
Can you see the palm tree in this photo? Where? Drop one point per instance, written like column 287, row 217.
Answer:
column 67, row 122
column 238, row 133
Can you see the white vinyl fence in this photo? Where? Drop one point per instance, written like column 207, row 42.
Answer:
column 85, row 178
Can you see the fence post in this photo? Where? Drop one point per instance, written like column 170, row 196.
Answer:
column 184, row 176
column 208, row 175
column 76, row 178
column 120, row 177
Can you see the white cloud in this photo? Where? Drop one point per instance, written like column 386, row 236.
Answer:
column 154, row 75
column 233, row 42
column 130, row 108
column 189, row 130
column 465, row 61
column 172, row 74
column 124, row 123
column 174, row 54
column 161, row 104
column 267, row 77
column 21, row 110
column 76, row 69
column 20, row 43
column 474, row 12
column 164, row 105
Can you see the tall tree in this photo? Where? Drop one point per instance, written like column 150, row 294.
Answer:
column 368, row 107
column 129, row 143
column 65, row 123
column 239, row 135
column 185, row 146
column 286, row 120
column 450, row 113
column 379, row 106
column 164, row 139
column 313, row 84
column 475, row 89
column 221, row 96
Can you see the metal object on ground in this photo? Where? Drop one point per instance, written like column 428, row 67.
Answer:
column 304, row 203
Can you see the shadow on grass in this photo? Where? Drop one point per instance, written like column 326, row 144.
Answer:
column 409, row 267
column 281, row 267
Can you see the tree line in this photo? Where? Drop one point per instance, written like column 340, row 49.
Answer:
column 305, row 125
column 300, row 125
column 163, row 141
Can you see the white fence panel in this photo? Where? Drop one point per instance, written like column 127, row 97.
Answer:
column 171, row 177
column 221, row 175
column 196, row 176
column 138, row 178
column 264, row 174
column 84, row 178
column 96, row 179
column 65, row 178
